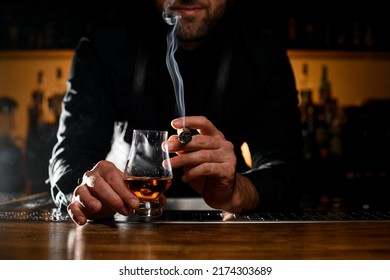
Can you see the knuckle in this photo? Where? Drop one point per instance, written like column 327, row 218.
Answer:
column 229, row 145
column 110, row 177
column 87, row 174
column 90, row 181
column 204, row 120
column 104, row 164
column 201, row 141
column 204, row 155
column 208, row 169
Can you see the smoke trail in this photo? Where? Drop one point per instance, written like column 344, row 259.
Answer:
column 171, row 18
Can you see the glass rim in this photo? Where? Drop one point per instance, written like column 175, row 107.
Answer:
column 150, row 130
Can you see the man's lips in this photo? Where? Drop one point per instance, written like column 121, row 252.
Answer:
column 188, row 11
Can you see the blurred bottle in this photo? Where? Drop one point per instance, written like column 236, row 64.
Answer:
column 36, row 110
column 325, row 87
column 305, row 89
column 55, row 100
column 308, row 113
column 329, row 128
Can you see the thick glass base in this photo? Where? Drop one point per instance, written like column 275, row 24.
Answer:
column 148, row 209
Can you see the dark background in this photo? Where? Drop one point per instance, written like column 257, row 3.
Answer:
column 59, row 24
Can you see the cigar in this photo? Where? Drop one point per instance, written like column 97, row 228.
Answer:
column 184, row 135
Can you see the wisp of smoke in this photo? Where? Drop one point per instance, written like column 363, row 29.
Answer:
column 172, row 18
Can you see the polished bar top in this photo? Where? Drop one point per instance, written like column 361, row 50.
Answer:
column 37, row 234
column 65, row 240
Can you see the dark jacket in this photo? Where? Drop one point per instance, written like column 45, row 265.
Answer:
column 240, row 79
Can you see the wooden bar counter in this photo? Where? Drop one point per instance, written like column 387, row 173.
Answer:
column 65, row 240
column 40, row 239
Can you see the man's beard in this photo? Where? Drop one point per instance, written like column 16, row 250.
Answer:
column 192, row 31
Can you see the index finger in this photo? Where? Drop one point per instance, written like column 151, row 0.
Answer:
column 200, row 123
column 108, row 184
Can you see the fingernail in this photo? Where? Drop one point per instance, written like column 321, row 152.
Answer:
column 174, row 123
column 80, row 220
column 165, row 146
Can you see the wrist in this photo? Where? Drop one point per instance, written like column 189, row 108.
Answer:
column 245, row 196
